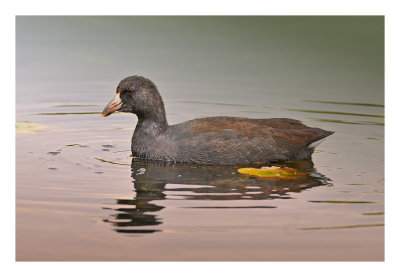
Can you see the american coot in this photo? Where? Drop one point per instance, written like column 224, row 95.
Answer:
column 212, row 140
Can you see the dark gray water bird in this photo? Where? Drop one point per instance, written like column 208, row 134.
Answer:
column 218, row 140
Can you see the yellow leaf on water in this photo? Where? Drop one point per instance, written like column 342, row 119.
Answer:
column 273, row 172
column 28, row 127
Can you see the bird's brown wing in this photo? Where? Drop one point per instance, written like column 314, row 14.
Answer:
column 283, row 129
column 240, row 139
column 281, row 123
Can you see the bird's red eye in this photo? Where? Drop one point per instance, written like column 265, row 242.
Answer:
column 117, row 91
column 131, row 91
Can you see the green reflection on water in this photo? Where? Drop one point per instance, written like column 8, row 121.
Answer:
column 67, row 113
column 346, row 103
column 332, row 112
column 110, row 162
column 71, row 145
column 71, row 106
column 233, row 207
column 348, row 122
column 342, row 227
column 377, row 213
column 341, row 202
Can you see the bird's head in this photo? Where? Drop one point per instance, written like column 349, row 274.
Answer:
column 136, row 95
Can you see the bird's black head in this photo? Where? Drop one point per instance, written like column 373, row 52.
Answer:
column 136, row 95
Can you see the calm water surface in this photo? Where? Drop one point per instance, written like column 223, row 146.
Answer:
column 80, row 196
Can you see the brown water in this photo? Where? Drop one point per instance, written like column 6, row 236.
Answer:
column 79, row 195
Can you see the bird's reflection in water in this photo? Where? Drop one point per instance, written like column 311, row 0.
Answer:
column 157, row 181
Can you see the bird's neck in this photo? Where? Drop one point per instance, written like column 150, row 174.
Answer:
column 151, row 124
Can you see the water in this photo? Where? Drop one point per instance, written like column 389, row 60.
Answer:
column 80, row 196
